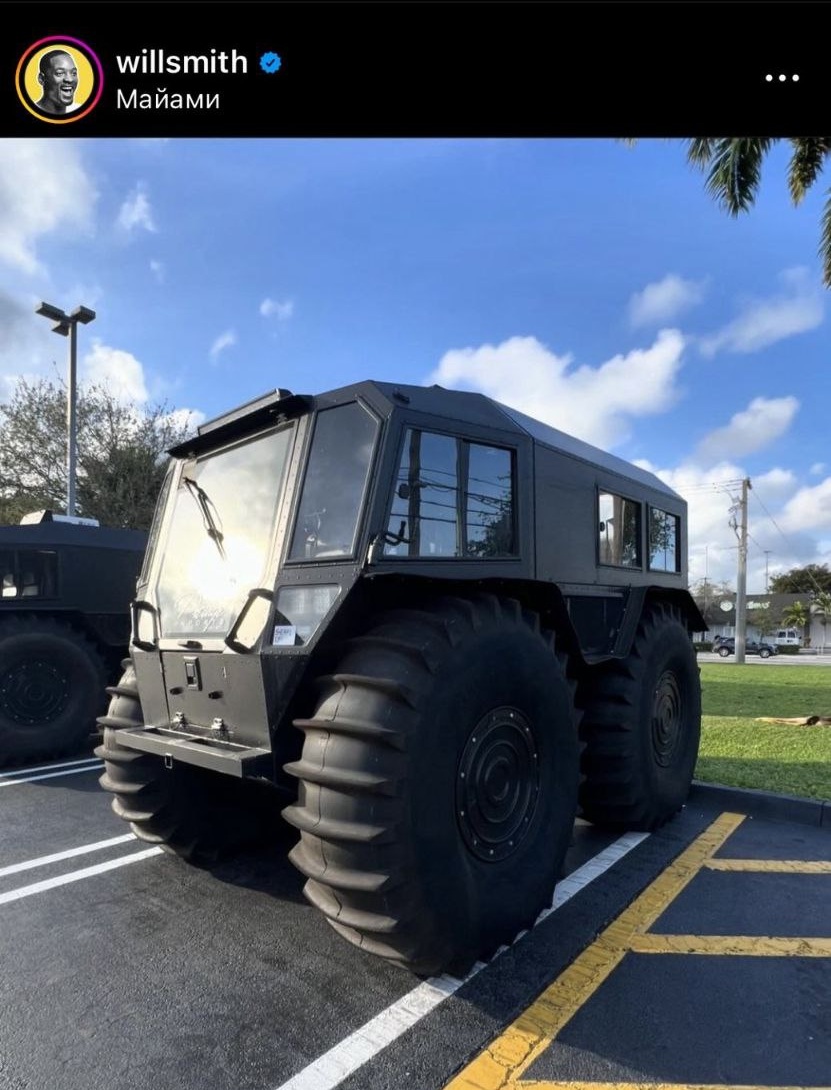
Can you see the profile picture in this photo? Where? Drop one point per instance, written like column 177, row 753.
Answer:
column 59, row 80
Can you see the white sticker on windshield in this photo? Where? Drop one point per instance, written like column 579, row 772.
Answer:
column 284, row 635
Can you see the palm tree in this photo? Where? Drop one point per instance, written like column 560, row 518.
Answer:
column 734, row 173
column 797, row 616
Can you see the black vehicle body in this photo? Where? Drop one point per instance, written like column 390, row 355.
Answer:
column 65, row 592
column 344, row 564
column 727, row 646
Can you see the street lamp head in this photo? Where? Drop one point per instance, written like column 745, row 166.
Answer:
column 83, row 315
column 55, row 314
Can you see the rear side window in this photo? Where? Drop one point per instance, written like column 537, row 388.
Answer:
column 452, row 498
column 664, row 541
column 619, row 531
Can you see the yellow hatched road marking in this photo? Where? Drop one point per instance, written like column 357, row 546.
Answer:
column 741, row 945
column 502, row 1064
column 770, row 866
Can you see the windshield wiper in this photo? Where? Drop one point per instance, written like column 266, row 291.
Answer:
column 205, row 504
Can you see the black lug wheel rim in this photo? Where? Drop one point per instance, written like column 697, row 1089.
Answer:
column 667, row 716
column 35, row 691
column 497, row 784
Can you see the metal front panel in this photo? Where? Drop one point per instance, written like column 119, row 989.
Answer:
column 224, row 693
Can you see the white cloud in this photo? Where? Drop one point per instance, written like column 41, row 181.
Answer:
column 158, row 270
column 809, row 508
column 663, row 300
column 784, row 520
column 774, row 486
column 817, row 469
column 223, row 341
column 281, row 311
column 136, row 212
column 43, row 189
column 594, row 404
column 762, row 322
column 119, row 372
column 764, row 420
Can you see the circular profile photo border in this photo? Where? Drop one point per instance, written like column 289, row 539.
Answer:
column 97, row 79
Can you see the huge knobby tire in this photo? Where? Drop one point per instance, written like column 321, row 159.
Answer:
column 438, row 782
column 641, row 726
column 192, row 812
column 52, row 686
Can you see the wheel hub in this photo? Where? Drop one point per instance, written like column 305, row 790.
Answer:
column 33, row 692
column 497, row 784
column 666, row 718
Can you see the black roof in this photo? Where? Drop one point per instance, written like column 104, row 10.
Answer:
column 53, row 534
column 457, row 406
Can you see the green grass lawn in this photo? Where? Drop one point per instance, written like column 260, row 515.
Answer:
column 739, row 751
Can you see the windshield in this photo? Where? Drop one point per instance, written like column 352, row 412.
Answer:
column 218, row 535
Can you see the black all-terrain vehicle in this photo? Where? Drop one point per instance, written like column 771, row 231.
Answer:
column 474, row 622
column 65, row 592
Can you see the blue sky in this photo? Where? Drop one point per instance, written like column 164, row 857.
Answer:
column 594, row 285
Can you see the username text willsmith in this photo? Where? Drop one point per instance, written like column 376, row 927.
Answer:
column 155, row 62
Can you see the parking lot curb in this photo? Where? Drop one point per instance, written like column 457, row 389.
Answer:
column 764, row 804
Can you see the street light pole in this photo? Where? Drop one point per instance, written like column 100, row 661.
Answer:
column 67, row 325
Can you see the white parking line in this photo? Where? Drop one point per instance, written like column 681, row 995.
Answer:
column 51, row 775
column 76, row 875
column 47, row 768
column 44, row 860
column 359, row 1047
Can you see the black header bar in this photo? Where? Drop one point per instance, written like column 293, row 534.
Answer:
column 414, row 69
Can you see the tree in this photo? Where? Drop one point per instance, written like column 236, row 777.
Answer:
column 797, row 616
column 764, row 620
column 121, row 454
column 734, row 174
column 706, row 593
column 808, row 580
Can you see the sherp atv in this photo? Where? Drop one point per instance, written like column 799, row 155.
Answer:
column 439, row 626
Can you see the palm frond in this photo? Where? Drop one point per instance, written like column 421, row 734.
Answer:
column 806, row 163
column 825, row 242
column 735, row 170
column 700, row 150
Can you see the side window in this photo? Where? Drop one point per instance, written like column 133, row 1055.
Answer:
column 489, row 521
column 664, row 541
column 619, row 531
column 28, row 573
column 335, row 483
column 452, row 498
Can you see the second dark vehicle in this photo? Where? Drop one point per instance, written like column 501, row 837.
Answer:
column 437, row 626
column 65, row 592
column 752, row 647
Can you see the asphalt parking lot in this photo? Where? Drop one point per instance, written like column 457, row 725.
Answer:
column 697, row 955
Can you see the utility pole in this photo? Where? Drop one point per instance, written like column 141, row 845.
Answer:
column 741, row 582
column 767, row 580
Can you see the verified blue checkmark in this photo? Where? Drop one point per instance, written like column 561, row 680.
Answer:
column 270, row 62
